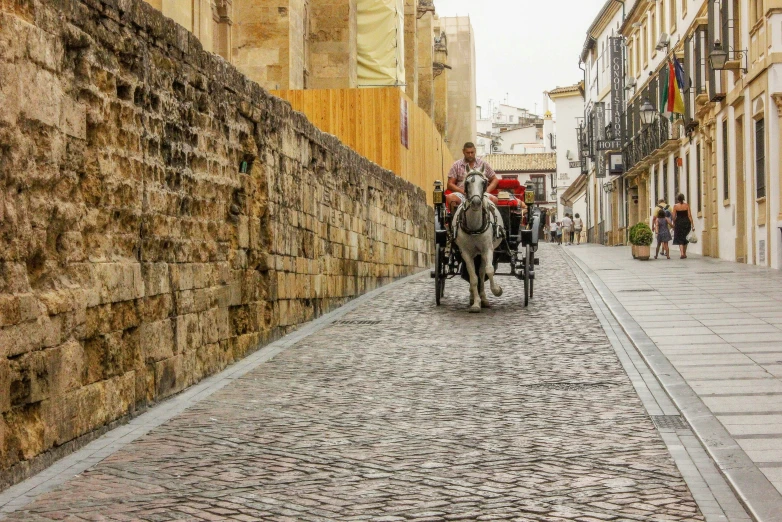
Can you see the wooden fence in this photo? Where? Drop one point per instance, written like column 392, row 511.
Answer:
column 370, row 121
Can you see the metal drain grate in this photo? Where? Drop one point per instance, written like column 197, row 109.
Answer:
column 639, row 290
column 359, row 323
column 716, row 272
column 568, row 386
column 606, row 269
column 670, row 422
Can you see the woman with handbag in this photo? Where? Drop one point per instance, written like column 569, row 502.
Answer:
column 682, row 225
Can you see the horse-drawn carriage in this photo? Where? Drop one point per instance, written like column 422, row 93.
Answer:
column 515, row 236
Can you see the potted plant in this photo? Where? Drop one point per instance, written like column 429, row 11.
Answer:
column 641, row 238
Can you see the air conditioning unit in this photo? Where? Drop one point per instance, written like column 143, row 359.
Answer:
column 495, row 147
column 663, row 42
column 630, row 83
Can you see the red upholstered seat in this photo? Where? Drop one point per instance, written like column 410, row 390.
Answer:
column 507, row 185
column 513, row 186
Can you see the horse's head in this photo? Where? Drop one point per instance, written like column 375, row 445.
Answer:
column 475, row 186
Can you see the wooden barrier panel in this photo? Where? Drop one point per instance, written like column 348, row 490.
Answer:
column 370, row 122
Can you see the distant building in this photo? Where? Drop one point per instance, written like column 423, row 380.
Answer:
column 506, row 129
column 563, row 139
column 538, row 168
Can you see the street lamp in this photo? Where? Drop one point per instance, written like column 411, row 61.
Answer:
column 648, row 112
column 722, row 59
column 608, row 187
column 718, row 56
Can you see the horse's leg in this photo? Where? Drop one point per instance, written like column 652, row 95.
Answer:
column 475, row 303
column 482, row 281
column 495, row 288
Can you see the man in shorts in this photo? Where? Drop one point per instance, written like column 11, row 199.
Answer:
column 459, row 171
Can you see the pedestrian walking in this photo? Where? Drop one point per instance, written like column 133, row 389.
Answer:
column 567, row 226
column 661, row 204
column 682, row 225
column 578, row 226
column 661, row 226
column 553, row 231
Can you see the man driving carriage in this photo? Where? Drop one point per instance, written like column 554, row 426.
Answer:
column 458, row 173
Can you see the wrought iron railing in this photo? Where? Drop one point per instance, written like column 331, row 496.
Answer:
column 648, row 140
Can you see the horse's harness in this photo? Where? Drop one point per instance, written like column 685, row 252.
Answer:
column 486, row 220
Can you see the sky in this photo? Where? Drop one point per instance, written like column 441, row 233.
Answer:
column 525, row 47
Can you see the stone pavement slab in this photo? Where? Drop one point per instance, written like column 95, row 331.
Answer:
column 730, row 360
column 401, row 410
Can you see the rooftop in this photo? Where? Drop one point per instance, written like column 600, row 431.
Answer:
column 564, row 91
column 546, row 162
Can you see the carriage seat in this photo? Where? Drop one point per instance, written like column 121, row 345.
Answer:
column 512, row 189
column 509, row 192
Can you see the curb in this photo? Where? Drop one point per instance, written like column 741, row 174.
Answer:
column 760, row 498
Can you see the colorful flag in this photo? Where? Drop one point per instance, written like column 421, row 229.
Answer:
column 672, row 80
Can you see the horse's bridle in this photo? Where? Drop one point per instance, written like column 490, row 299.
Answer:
column 486, row 222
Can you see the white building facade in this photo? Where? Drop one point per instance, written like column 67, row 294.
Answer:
column 569, row 105
column 605, row 213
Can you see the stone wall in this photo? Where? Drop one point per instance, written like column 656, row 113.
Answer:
column 332, row 47
column 160, row 217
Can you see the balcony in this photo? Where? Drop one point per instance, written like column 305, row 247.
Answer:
column 650, row 142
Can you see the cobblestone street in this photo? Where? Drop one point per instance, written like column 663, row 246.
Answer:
column 405, row 411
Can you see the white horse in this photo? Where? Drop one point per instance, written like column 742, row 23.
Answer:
column 477, row 230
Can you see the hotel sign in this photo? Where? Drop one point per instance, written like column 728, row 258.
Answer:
column 617, row 61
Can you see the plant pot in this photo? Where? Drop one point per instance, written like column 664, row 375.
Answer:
column 633, row 249
column 642, row 252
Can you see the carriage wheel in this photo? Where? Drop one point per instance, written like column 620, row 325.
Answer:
column 532, row 268
column 439, row 276
column 527, row 269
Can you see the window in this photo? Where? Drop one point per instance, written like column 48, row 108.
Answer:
column 760, row 158
column 684, row 8
column 737, row 24
column 630, row 60
column 756, row 11
column 539, row 182
column 663, row 27
column 698, row 177
column 665, row 181
column 656, row 188
column 686, row 170
column 676, row 183
column 653, row 28
column 645, row 43
column 673, row 14
column 725, row 161
column 638, row 45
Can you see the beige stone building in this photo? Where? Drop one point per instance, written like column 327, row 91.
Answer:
column 722, row 151
column 461, row 123
column 326, row 44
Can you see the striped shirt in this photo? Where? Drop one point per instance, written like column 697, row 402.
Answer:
column 460, row 168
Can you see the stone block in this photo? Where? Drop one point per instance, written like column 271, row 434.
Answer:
column 156, row 278
column 30, row 379
column 170, row 376
column 188, row 332
column 26, row 337
column 73, row 118
column 157, row 340
column 65, row 366
column 10, row 97
column 25, row 429
column 5, row 386
column 42, row 98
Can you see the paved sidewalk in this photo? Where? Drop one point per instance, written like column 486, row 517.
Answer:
column 712, row 331
column 405, row 411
